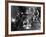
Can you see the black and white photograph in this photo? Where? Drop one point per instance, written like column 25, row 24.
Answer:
column 25, row 18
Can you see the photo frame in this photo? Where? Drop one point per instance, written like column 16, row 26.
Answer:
column 24, row 18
